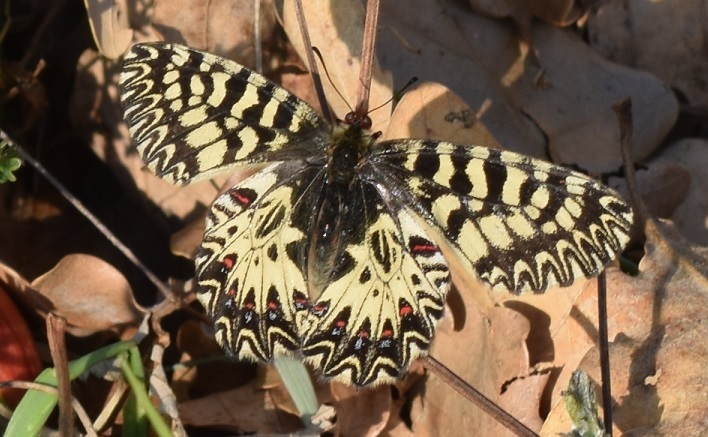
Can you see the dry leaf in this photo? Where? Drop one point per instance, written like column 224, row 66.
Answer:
column 691, row 217
column 658, row 360
column 244, row 410
column 433, row 112
column 557, row 12
column 666, row 38
column 361, row 412
column 481, row 60
column 487, row 351
column 89, row 293
column 225, row 27
column 109, row 26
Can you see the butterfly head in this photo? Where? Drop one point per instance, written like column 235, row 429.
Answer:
column 355, row 119
column 351, row 141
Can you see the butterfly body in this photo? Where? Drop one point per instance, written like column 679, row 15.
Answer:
column 333, row 251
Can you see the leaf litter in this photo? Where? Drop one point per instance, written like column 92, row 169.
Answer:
column 528, row 87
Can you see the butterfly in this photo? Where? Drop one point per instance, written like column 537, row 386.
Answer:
column 334, row 250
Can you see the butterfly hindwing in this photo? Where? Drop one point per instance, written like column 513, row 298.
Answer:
column 192, row 114
column 517, row 222
column 384, row 297
column 249, row 268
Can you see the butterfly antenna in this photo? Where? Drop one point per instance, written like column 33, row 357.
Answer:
column 397, row 94
column 329, row 78
column 300, row 13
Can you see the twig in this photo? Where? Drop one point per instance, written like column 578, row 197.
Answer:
column 367, row 56
column 623, row 110
column 299, row 11
column 477, row 398
column 56, row 331
column 258, row 44
column 604, row 353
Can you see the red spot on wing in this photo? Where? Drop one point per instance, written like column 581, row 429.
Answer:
column 300, row 300
column 341, row 323
column 249, row 305
column 272, row 305
column 228, row 262
column 425, row 249
column 320, row 309
column 363, row 334
column 240, row 198
column 244, row 196
column 387, row 333
column 405, row 310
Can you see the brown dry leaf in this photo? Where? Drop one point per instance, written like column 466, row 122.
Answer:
column 523, row 396
column 361, row 412
column 487, row 351
column 658, row 361
column 662, row 184
column 564, row 325
column 481, row 60
column 691, row 216
column 557, row 12
column 432, row 112
column 109, row 26
column 336, row 29
column 89, row 293
column 247, row 409
column 547, row 313
column 666, row 38
column 224, row 27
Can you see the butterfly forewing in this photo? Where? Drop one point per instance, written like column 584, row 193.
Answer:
column 336, row 251
column 192, row 114
column 519, row 223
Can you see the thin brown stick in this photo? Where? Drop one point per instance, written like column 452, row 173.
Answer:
column 56, row 332
column 477, row 398
column 604, row 353
column 623, row 110
column 367, row 56
column 300, row 13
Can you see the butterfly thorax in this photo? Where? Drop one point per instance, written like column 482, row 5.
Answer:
column 351, row 141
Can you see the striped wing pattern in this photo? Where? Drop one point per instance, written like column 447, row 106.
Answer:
column 334, row 250
column 193, row 115
column 519, row 223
